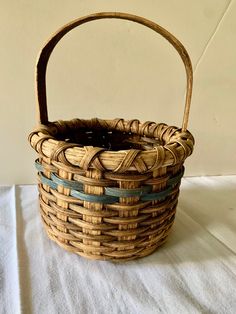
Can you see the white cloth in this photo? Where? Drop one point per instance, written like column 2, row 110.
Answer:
column 194, row 272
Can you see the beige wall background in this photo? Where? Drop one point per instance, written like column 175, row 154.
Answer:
column 113, row 68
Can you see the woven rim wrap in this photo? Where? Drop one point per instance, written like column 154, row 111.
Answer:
column 99, row 198
column 178, row 146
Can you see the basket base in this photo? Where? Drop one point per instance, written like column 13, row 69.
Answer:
column 118, row 256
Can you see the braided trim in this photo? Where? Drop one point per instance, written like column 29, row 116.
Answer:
column 45, row 142
column 128, row 160
column 90, row 154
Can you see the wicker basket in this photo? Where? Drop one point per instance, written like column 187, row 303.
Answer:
column 109, row 188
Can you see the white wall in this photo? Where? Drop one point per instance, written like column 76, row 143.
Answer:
column 113, row 68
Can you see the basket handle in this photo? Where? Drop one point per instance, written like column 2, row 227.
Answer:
column 52, row 42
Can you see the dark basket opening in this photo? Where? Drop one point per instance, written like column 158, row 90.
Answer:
column 109, row 139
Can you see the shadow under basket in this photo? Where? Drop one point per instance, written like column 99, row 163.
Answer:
column 108, row 189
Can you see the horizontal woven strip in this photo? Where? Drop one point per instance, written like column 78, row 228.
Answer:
column 47, row 181
column 111, row 195
column 76, row 185
column 128, row 192
column 38, row 166
column 104, row 199
column 158, row 195
column 175, row 179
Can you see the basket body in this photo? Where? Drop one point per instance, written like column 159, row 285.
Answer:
column 108, row 189
column 110, row 205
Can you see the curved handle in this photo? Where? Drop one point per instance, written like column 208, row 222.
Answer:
column 50, row 45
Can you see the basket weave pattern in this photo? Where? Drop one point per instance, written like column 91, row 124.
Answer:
column 109, row 208
column 109, row 189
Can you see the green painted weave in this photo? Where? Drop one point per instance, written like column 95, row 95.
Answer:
column 111, row 194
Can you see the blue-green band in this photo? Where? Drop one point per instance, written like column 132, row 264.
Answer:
column 111, row 195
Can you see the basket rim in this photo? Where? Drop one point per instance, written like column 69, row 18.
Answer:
column 178, row 145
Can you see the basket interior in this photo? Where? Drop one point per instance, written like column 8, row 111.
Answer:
column 109, row 139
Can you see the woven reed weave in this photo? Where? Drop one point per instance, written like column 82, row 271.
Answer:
column 109, row 188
